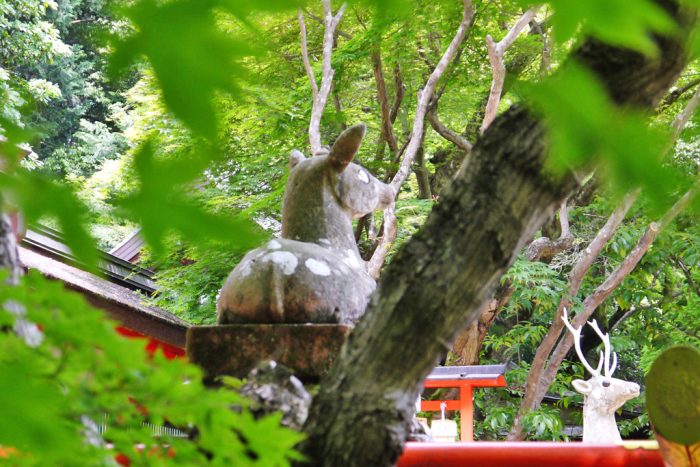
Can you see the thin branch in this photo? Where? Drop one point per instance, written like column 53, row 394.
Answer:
column 604, row 290
column 426, row 94
column 455, row 138
column 682, row 118
column 375, row 263
column 548, row 358
column 676, row 94
column 688, row 276
column 534, row 388
column 387, row 127
column 398, row 98
column 432, row 114
column 319, row 20
column 327, row 72
column 544, row 248
column 496, row 51
column 305, row 57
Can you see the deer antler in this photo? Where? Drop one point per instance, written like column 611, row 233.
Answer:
column 577, row 345
column 606, row 342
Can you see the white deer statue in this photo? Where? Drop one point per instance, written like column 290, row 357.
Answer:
column 602, row 394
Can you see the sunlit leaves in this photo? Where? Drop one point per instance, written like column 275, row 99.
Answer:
column 160, row 205
column 191, row 57
column 586, row 128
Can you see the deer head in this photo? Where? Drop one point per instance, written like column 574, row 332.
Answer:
column 326, row 192
column 603, row 394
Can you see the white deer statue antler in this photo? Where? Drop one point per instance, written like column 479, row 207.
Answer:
column 603, row 394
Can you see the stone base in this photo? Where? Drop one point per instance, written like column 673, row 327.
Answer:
column 235, row 349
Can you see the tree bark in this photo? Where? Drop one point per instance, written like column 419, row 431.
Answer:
column 382, row 97
column 422, row 174
column 492, row 209
column 361, row 413
column 468, row 342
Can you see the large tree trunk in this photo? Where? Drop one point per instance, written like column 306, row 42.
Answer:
column 361, row 413
column 497, row 201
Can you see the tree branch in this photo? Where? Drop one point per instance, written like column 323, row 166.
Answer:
column 398, row 98
column 676, row 94
column 544, row 248
column 375, row 263
column 387, row 126
column 319, row 20
column 548, row 358
column 327, row 72
column 457, row 139
column 498, row 68
column 604, row 290
column 533, row 387
column 682, row 118
column 688, row 276
column 305, row 57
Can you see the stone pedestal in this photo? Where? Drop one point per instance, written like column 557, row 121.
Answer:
column 235, row 349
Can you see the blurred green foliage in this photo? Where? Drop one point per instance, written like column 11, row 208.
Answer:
column 83, row 374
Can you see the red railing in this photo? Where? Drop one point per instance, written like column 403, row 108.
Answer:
column 527, row 454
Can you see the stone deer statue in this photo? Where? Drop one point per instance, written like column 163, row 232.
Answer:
column 314, row 273
column 603, row 394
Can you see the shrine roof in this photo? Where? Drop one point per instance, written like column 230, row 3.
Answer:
column 115, row 291
column 466, row 372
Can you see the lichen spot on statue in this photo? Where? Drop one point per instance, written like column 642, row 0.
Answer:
column 314, row 273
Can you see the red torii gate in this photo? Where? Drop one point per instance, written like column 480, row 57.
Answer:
column 465, row 378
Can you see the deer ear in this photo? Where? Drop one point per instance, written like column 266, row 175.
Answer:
column 584, row 387
column 346, row 146
column 294, row 158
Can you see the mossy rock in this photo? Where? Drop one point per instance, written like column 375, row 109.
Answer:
column 673, row 394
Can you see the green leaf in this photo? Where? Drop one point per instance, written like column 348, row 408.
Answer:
column 34, row 409
column 190, row 55
column 12, row 135
column 36, row 196
column 625, row 23
column 160, row 208
column 586, row 129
